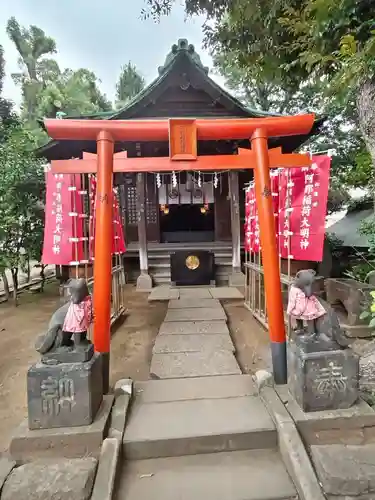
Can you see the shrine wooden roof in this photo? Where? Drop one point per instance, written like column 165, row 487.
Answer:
column 183, row 88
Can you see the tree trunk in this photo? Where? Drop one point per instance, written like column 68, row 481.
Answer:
column 6, row 285
column 28, row 270
column 14, row 271
column 43, row 277
column 366, row 118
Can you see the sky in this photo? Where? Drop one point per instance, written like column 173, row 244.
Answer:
column 100, row 36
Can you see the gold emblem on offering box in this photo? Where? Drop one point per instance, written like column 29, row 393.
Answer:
column 192, row 262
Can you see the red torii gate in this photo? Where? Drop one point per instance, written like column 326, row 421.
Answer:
column 183, row 135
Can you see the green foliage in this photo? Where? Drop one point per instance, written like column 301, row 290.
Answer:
column 370, row 314
column 288, row 56
column 360, row 272
column 21, row 195
column 367, row 228
column 130, row 84
column 73, row 92
column 32, row 45
column 46, row 89
column 5, row 104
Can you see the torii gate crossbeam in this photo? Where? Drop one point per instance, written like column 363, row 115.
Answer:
column 258, row 130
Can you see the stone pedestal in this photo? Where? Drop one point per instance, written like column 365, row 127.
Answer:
column 321, row 377
column 64, row 354
column 144, row 283
column 65, row 394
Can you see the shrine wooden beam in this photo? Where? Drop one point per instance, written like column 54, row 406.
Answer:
column 243, row 161
column 159, row 130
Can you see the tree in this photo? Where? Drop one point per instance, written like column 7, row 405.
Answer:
column 32, row 45
column 73, row 92
column 21, row 201
column 285, row 47
column 46, row 89
column 5, row 104
column 130, row 83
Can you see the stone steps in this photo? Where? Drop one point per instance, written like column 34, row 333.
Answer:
column 159, row 264
column 240, row 475
column 200, row 431
column 191, row 427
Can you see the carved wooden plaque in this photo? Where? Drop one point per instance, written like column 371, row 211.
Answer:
column 182, row 139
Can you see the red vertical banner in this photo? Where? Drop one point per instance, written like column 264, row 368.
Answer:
column 118, row 246
column 247, row 240
column 252, row 226
column 92, row 197
column 275, row 200
column 285, row 209
column 60, row 231
column 77, row 215
column 309, row 203
column 300, row 206
column 118, row 242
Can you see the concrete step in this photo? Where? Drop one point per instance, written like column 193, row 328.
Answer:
column 159, row 265
column 240, row 475
column 193, row 303
column 198, row 426
column 225, row 386
column 193, row 364
column 165, row 344
column 197, row 314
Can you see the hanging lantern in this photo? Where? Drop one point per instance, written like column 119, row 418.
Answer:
column 205, row 208
column 199, row 180
column 166, row 210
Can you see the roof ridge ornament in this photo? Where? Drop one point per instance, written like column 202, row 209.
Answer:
column 182, row 45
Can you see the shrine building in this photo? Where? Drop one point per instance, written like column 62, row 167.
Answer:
column 183, row 210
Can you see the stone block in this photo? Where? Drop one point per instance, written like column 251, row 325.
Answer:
column 238, row 475
column 192, row 343
column 226, row 293
column 193, row 327
column 203, row 314
column 236, row 279
column 162, row 391
column 106, row 476
column 354, row 425
column 6, row 467
column 162, row 293
column 63, row 355
column 64, row 442
column 195, row 293
column 144, row 283
column 64, row 395
column 60, row 480
column 322, row 380
column 123, row 386
column 118, row 416
column 345, row 470
column 192, row 303
column 198, row 426
column 193, row 364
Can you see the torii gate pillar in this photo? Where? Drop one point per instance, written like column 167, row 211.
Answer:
column 103, row 251
column 270, row 258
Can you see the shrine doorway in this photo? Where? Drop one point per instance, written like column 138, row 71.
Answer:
column 187, row 223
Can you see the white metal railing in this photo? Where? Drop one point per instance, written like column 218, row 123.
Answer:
column 117, row 293
column 255, row 298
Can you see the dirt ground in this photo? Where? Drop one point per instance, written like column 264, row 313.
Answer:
column 130, row 349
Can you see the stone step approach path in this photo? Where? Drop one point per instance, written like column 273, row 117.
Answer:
column 194, row 340
column 198, row 430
